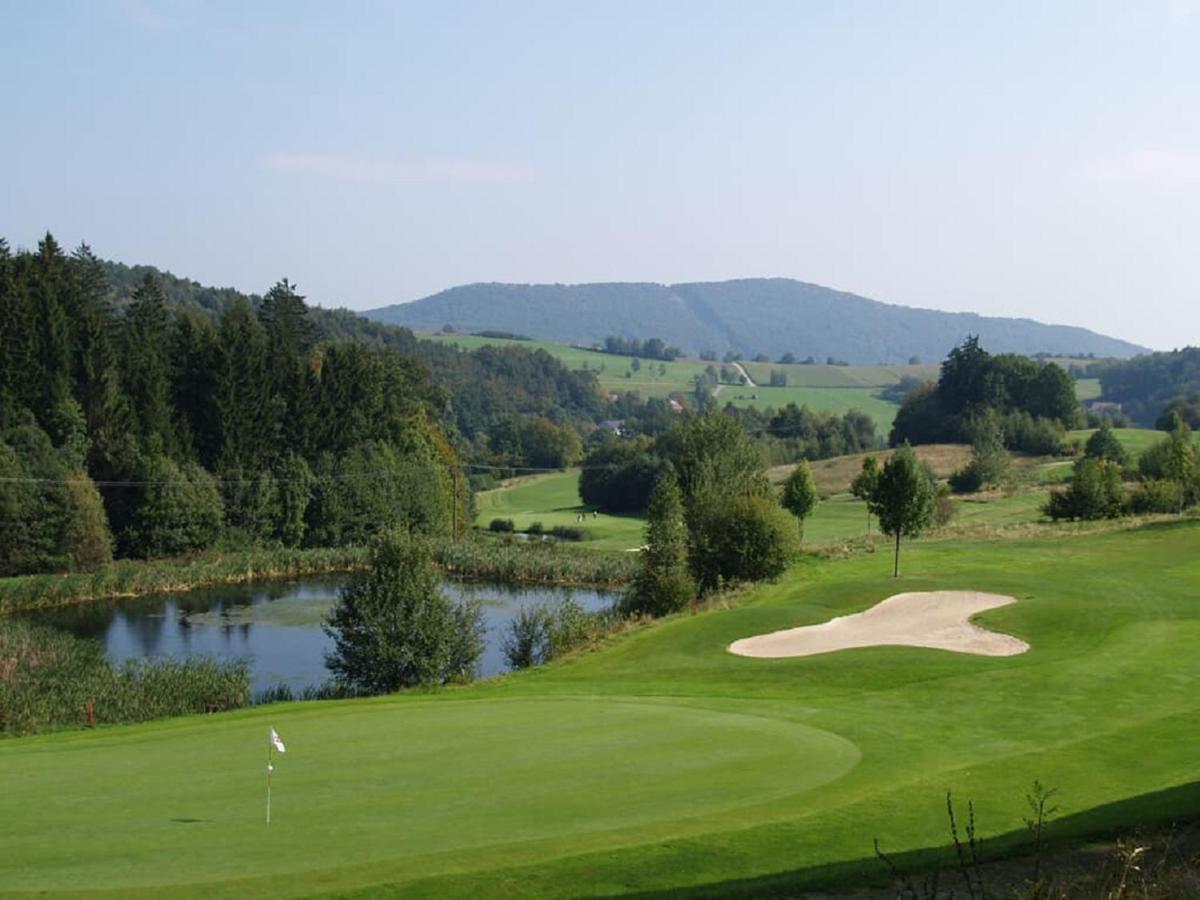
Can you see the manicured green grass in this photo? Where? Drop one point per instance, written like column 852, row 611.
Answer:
column 553, row 499
column 661, row 762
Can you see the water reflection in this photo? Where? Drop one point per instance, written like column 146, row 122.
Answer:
column 275, row 626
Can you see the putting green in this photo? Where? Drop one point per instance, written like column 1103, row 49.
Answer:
column 361, row 785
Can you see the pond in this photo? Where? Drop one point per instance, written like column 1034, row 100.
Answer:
column 275, row 626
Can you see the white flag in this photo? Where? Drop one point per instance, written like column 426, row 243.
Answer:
column 277, row 742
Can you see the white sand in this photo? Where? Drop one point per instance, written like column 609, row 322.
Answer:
column 935, row 619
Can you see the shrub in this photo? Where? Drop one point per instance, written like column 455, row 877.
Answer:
column 740, row 539
column 393, row 627
column 504, row 526
column 535, row 529
column 1103, row 444
column 1095, row 492
column 540, row 632
column 1155, row 497
column 568, row 533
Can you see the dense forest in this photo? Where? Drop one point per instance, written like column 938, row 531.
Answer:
column 1031, row 403
column 163, row 430
column 1151, row 386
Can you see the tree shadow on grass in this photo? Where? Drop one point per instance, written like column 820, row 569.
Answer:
column 1111, row 820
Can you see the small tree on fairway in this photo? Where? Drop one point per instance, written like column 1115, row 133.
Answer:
column 903, row 498
column 800, row 494
column 663, row 584
column 1103, row 444
column 864, row 483
column 392, row 626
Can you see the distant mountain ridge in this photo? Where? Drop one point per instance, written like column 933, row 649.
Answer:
column 750, row 316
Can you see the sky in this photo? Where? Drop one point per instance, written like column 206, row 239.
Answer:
column 1021, row 159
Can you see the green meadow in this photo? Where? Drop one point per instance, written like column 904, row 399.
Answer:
column 553, row 499
column 658, row 762
column 836, row 389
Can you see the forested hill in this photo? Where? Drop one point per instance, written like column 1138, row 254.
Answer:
column 749, row 316
column 486, row 388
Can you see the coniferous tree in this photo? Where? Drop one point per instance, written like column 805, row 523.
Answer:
column 146, row 366
column 663, row 583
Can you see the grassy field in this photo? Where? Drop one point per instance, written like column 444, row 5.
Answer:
column 1136, row 441
column 659, row 762
column 827, row 388
column 1087, row 388
column 554, row 500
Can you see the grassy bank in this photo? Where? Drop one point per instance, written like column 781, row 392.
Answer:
column 661, row 763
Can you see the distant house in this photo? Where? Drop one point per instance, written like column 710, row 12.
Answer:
column 616, row 426
column 676, row 406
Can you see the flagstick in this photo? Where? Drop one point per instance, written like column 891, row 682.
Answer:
column 270, row 747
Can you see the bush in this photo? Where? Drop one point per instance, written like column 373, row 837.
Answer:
column 535, row 529
column 943, row 506
column 741, row 539
column 1095, row 492
column 1156, row 497
column 393, row 627
column 503, row 526
column 540, row 632
column 568, row 533
column 1103, row 444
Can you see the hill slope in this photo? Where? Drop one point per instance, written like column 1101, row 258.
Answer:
column 763, row 315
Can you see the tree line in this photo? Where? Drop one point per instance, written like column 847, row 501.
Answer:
column 1032, row 402
column 155, row 431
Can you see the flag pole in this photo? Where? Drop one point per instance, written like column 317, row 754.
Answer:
column 270, row 747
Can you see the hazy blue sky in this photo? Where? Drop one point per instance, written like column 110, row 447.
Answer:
column 1037, row 159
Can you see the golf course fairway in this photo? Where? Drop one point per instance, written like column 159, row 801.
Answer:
column 659, row 762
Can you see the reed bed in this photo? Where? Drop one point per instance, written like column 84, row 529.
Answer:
column 51, row 680
column 515, row 561
column 506, row 560
column 132, row 578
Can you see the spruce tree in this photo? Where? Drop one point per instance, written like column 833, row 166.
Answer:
column 147, row 368
column 663, row 584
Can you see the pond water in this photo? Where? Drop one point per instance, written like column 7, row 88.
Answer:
column 275, row 626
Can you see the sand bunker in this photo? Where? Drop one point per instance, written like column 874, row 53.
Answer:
column 934, row 619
